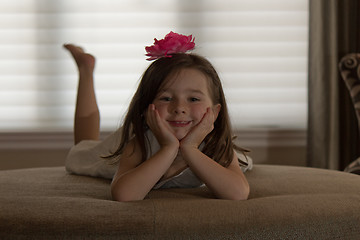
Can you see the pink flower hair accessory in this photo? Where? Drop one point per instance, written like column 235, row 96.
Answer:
column 171, row 44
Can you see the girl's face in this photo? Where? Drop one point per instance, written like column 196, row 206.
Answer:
column 183, row 101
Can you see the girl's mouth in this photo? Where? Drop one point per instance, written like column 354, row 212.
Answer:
column 179, row 123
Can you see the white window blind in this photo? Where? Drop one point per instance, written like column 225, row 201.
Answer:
column 259, row 48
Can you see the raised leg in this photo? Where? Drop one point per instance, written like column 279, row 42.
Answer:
column 87, row 116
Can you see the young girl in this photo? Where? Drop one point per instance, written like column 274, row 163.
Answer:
column 176, row 132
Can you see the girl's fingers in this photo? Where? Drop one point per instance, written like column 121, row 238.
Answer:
column 151, row 116
column 207, row 121
column 157, row 126
column 201, row 130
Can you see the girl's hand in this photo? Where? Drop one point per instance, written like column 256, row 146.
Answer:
column 162, row 133
column 198, row 133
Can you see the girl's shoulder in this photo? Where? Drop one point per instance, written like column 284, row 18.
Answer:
column 245, row 161
column 151, row 143
column 131, row 155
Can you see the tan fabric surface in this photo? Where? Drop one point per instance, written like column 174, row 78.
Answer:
column 44, row 203
column 285, row 202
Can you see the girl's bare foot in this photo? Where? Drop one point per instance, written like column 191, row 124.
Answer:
column 84, row 61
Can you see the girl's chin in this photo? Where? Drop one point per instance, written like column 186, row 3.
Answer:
column 180, row 135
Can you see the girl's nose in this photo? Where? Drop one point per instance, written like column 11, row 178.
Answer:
column 179, row 107
column 179, row 111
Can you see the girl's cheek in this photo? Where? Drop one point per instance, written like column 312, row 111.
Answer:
column 161, row 110
column 200, row 111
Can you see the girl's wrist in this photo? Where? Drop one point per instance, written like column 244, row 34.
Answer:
column 189, row 143
column 173, row 147
column 188, row 147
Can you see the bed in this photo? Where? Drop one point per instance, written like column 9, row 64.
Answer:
column 285, row 202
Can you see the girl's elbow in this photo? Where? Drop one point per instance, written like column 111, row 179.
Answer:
column 123, row 199
column 122, row 195
column 244, row 195
column 237, row 193
column 241, row 194
column 118, row 197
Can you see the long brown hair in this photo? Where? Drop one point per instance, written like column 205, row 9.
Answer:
column 218, row 143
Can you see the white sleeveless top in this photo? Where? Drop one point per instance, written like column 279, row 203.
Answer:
column 85, row 158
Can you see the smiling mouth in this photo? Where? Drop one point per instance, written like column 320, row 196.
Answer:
column 179, row 123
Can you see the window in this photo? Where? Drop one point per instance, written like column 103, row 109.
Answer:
column 259, row 48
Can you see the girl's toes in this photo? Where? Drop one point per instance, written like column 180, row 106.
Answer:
column 73, row 49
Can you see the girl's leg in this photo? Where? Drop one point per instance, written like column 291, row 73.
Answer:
column 87, row 117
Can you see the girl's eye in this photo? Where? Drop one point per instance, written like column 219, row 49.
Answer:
column 166, row 99
column 194, row 99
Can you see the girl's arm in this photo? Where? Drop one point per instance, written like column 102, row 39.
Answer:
column 134, row 178
column 226, row 183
